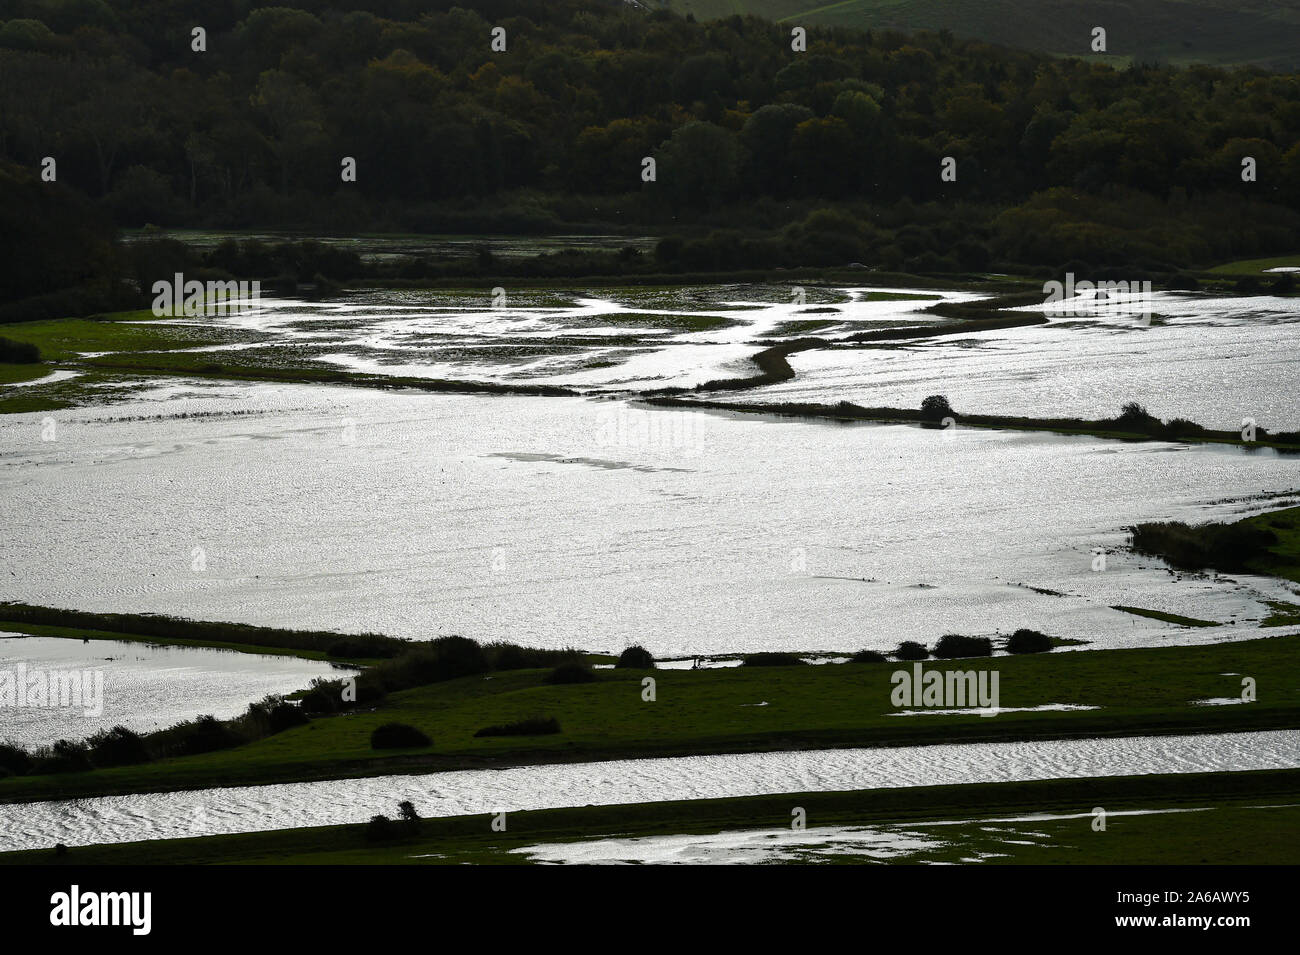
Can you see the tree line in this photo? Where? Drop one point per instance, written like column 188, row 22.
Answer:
column 1055, row 158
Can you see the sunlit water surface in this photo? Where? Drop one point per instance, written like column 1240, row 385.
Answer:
column 141, row 686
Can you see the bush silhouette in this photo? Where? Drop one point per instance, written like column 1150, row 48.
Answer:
column 1028, row 641
column 573, row 672
column 911, row 650
column 770, row 659
column 868, row 656
column 117, row 747
column 18, row 353
column 936, row 408
column 1228, row 547
column 955, row 645
column 381, row 829
column 398, row 736
column 635, row 658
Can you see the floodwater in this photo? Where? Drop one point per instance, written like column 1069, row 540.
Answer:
column 297, row 805
column 913, row 843
column 595, row 523
column 141, row 686
column 1216, row 361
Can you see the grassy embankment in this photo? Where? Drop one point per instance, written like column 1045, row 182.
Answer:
column 1144, row 691
column 1252, row 817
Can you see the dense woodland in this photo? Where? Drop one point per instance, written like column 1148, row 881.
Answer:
column 765, row 156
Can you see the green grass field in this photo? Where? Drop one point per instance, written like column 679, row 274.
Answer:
column 1257, row 267
column 13, row 374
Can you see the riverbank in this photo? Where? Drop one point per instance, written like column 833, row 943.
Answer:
column 1192, row 818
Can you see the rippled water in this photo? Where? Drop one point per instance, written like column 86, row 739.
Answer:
column 295, row 805
column 560, row 522
column 144, row 686
column 1213, row 360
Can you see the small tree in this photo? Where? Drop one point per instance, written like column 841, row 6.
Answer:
column 911, row 650
column 380, row 829
column 936, row 408
column 635, row 658
column 867, row 656
column 1028, row 641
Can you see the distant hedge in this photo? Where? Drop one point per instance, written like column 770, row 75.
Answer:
column 772, row 659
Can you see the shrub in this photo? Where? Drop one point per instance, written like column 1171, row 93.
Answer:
column 117, row 747
column 18, row 353
column 410, row 818
column 1028, row 641
column 572, row 672
column 868, row 656
column 285, row 716
column 1182, row 428
column 1135, row 417
column 955, row 645
column 65, row 756
column 381, row 829
column 770, row 659
column 398, row 736
column 1228, row 547
column 533, row 726
column 206, row 734
column 936, row 408
column 911, row 650
column 14, row 759
column 511, row 656
column 635, row 658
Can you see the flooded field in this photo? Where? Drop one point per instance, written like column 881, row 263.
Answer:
column 142, row 686
column 568, row 521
